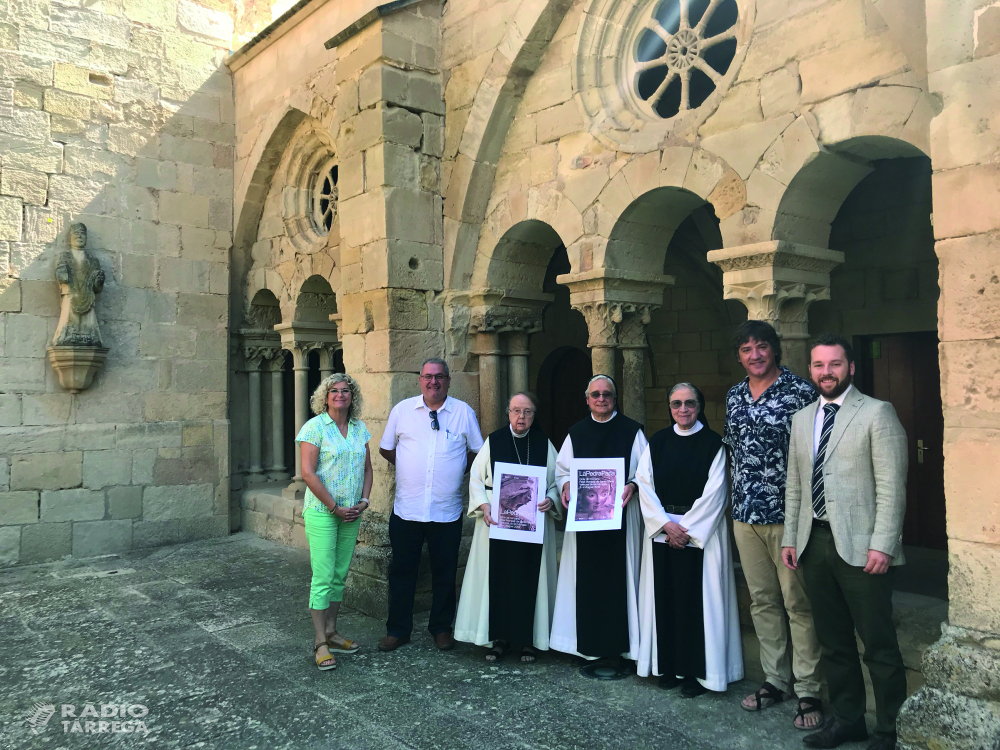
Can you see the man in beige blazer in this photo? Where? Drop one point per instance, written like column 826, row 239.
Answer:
column 844, row 506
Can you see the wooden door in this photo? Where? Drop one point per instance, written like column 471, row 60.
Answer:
column 903, row 369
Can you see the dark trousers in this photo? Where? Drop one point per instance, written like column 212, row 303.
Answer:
column 407, row 540
column 844, row 599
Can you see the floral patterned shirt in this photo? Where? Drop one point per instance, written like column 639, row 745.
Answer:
column 757, row 433
column 341, row 465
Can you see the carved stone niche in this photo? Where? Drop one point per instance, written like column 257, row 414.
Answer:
column 77, row 352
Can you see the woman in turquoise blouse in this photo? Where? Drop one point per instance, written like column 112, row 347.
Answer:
column 337, row 469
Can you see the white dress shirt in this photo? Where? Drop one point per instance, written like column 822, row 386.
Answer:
column 430, row 464
column 818, row 427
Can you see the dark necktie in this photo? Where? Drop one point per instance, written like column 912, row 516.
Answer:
column 818, row 491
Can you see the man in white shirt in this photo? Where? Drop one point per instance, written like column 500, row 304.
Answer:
column 431, row 439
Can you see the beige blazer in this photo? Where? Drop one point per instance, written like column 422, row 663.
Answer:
column 864, row 476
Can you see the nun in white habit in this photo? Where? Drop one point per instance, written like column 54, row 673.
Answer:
column 690, row 629
column 509, row 588
column 597, row 615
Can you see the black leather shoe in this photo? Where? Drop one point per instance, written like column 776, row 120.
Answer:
column 882, row 742
column 833, row 732
column 691, row 688
column 668, row 681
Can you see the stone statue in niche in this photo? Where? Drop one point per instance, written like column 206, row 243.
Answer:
column 78, row 352
column 80, row 281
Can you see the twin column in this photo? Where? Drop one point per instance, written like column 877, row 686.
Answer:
column 272, row 359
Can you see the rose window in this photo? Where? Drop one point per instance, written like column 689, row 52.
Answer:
column 325, row 200
column 683, row 53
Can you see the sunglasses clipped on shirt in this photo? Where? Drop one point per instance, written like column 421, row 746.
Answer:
column 435, row 425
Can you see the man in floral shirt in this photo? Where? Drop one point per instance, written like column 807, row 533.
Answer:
column 758, row 425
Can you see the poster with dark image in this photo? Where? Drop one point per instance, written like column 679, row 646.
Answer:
column 595, row 494
column 518, row 502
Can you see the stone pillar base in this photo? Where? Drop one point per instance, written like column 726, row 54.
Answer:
column 959, row 708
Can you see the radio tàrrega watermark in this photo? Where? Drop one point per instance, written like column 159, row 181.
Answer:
column 91, row 718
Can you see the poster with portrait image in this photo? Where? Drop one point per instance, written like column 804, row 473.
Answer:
column 595, row 490
column 517, row 491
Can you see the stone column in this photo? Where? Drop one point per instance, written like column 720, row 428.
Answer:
column 275, row 366
column 253, row 361
column 300, row 368
column 325, row 362
column 490, row 398
column 778, row 281
column 632, row 342
column 518, row 354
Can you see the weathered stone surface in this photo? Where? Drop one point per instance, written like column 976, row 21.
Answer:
column 42, row 542
column 46, row 471
column 30, row 187
column 101, row 538
column 172, row 502
column 124, row 502
column 18, row 507
column 10, row 545
column 106, row 468
column 72, row 505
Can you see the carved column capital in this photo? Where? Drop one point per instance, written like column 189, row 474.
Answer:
column 276, row 362
column 495, row 311
column 632, row 332
column 777, row 280
column 603, row 320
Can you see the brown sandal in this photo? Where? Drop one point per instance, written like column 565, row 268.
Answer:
column 321, row 661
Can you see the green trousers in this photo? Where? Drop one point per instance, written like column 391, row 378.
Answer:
column 331, row 547
column 844, row 599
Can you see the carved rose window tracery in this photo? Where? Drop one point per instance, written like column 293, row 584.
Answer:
column 683, row 53
column 325, row 200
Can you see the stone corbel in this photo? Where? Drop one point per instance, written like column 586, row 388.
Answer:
column 777, row 281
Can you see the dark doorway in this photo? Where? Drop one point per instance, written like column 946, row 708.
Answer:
column 903, row 369
column 562, row 380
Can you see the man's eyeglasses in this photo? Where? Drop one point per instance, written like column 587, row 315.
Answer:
column 598, row 394
column 435, row 425
column 521, row 412
column 434, row 378
column 690, row 404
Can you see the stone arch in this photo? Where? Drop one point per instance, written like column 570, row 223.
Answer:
column 799, row 170
column 264, row 311
column 315, row 301
column 471, row 182
column 519, row 259
column 819, row 187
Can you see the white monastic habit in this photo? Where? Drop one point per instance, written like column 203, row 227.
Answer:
column 707, row 528
column 472, row 624
column 564, row 620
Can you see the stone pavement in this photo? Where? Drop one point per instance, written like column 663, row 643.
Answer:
column 213, row 638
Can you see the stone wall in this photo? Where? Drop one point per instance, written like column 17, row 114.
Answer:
column 120, row 116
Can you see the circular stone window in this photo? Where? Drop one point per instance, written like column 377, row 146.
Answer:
column 309, row 195
column 648, row 68
column 325, row 200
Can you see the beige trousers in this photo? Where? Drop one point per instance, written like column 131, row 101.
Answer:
column 774, row 591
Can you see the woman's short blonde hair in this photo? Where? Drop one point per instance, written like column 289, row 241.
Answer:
column 318, row 401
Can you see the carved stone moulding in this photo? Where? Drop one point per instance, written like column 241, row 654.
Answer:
column 503, row 311
column 76, row 366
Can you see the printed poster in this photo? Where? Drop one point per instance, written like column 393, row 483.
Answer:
column 517, row 491
column 595, row 492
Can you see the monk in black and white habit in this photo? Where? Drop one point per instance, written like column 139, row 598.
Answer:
column 597, row 612
column 690, row 627
column 509, row 589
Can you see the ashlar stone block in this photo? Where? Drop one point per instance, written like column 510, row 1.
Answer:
column 72, row 505
column 18, row 507
column 101, row 538
column 11, row 218
column 43, row 542
column 31, row 187
column 106, row 468
column 10, row 545
column 79, row 80
column 46, row 471
column 394, row 350
column 174, row 502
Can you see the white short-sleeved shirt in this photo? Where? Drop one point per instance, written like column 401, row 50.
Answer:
column 430, row 464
